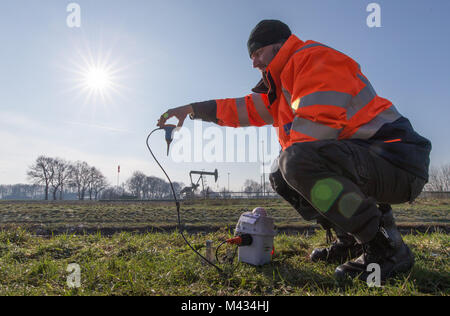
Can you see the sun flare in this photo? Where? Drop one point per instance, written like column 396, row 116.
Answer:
column 98, row 79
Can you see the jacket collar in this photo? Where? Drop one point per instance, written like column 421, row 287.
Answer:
column 261, row 87
column 287, row 50
column 277, row 64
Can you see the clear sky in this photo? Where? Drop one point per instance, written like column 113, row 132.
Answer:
column 162, row 54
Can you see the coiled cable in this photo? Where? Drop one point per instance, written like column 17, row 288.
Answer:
column 180, row 228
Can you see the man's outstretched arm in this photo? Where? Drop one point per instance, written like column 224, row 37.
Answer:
column 251, row 110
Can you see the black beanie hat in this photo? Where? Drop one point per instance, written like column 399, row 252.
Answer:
column 267, row 32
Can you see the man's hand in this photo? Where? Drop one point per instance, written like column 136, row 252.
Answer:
column 180, row 113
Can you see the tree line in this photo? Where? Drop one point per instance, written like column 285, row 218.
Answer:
column 251, row 186
column 145, row 187
column 56, row 174
column 56, row 178
column 22, row 192
column 439, row 179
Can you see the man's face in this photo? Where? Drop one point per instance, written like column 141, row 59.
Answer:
column 262, row 57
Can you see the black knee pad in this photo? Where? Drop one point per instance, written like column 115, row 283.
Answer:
column 301, row 159
column 292, row 197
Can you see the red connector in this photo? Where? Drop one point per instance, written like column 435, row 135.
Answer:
column 235, row 241
column 243, row 240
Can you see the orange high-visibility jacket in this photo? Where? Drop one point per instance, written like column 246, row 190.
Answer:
column 313, row 93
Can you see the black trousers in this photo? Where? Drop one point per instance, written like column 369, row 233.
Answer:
column 341, row 182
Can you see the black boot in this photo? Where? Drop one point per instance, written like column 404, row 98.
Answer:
column 387, row 250
column 342, row 249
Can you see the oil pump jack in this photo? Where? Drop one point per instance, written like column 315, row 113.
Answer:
column 189, row 192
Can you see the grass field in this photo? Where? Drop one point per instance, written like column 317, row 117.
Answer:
column 160, row 263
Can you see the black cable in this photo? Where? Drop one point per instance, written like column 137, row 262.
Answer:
column 178, row 206
column 231, row 259
column 217, row 250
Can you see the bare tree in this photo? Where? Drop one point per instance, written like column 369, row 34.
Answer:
column 251, row 186
column 61, row 171
column 144, row 187
column 97, row 183
column 138, row 185
column 42, row 173
column 439, row 179
column 446, row 176
column 79, row 178
column 59, row 175
column 157, row 187
column 111, row 193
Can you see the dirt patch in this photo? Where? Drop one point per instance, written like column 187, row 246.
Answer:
column 289, row 230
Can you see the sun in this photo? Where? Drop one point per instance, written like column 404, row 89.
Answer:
column 98, row 79
column 96, row 76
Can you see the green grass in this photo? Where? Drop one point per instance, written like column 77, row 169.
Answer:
column 161, row 264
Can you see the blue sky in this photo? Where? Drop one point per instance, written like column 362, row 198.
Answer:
column 171, row 53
